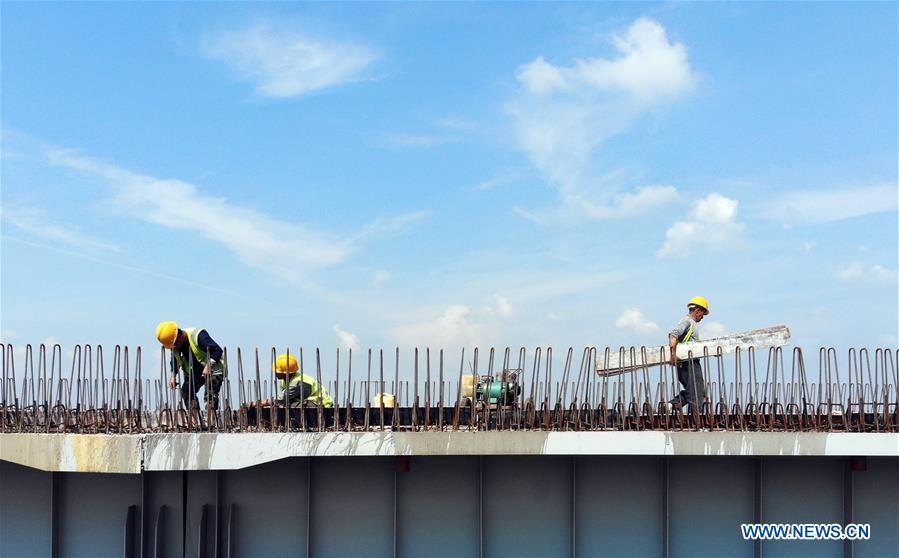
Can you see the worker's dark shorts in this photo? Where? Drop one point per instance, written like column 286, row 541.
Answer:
column 192, row 384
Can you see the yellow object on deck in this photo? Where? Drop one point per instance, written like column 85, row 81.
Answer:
column 388, row 398
column 469, row 381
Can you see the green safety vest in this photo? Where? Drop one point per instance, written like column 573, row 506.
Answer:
column 689, row 334
column 319, row 394
column 193, row 336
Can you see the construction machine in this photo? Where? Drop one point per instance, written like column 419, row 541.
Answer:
column 491, row 391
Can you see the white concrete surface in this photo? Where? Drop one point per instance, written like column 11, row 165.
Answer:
column 210, row 451
column 77, row 453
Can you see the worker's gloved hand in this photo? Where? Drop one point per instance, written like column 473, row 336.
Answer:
column 673, row 358
column 173, row 381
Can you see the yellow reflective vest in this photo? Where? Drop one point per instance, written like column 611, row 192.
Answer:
column 319, row 395
column 193, row 336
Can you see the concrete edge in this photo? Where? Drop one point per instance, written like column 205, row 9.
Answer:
column 76, row 453
column 210, row 451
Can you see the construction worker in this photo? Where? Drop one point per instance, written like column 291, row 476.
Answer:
column 689, row 372
column 297, row 387
column 194, row 352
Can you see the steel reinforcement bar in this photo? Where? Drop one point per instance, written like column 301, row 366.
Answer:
column 423, row 390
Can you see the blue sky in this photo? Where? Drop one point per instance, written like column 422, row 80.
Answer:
column 448, row 174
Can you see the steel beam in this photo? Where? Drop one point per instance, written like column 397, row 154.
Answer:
column 665, row 507
column 757, row 504
column 848, row 514
column 55, row 480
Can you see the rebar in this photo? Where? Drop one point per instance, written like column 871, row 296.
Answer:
column 739, row 395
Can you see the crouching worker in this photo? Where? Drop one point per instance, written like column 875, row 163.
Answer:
column 296, row 387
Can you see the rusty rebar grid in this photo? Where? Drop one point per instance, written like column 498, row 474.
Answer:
column 107, row 392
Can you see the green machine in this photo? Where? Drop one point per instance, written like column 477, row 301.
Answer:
column 492, row 390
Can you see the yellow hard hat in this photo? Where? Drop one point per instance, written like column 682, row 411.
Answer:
column 699, row 301
column 286, row 364
column 167, row 333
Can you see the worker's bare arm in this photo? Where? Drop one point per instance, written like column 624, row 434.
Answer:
column 672, row 345
column 295, row 392
column 173, row 380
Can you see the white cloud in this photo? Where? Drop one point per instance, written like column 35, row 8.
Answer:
column 463, row 315
column 809, row 246
column 715, row 208
column 287, row 63
column 851, row 272
column 856, row 272
column 652, row 66
column 500, row 179
column 621, row 206
column 649, row 67
column 381, row 276
column 711, row 330
column 387, row 226
column 38, row 223
column 347, row 340
column 282, row 248
column 823, row 206
column 504, row 307
column 117, row 265
column 454, row 328
column 712, row 226
column 451, row 130
column 634, row 203
column 633, row 319
column 564, row 113
column 883, row 274
column 542, row 78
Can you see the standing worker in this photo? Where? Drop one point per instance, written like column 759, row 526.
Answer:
column 689, row 372
column 194, row 352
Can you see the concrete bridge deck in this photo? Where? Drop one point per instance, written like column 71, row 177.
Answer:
column 124, row 453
